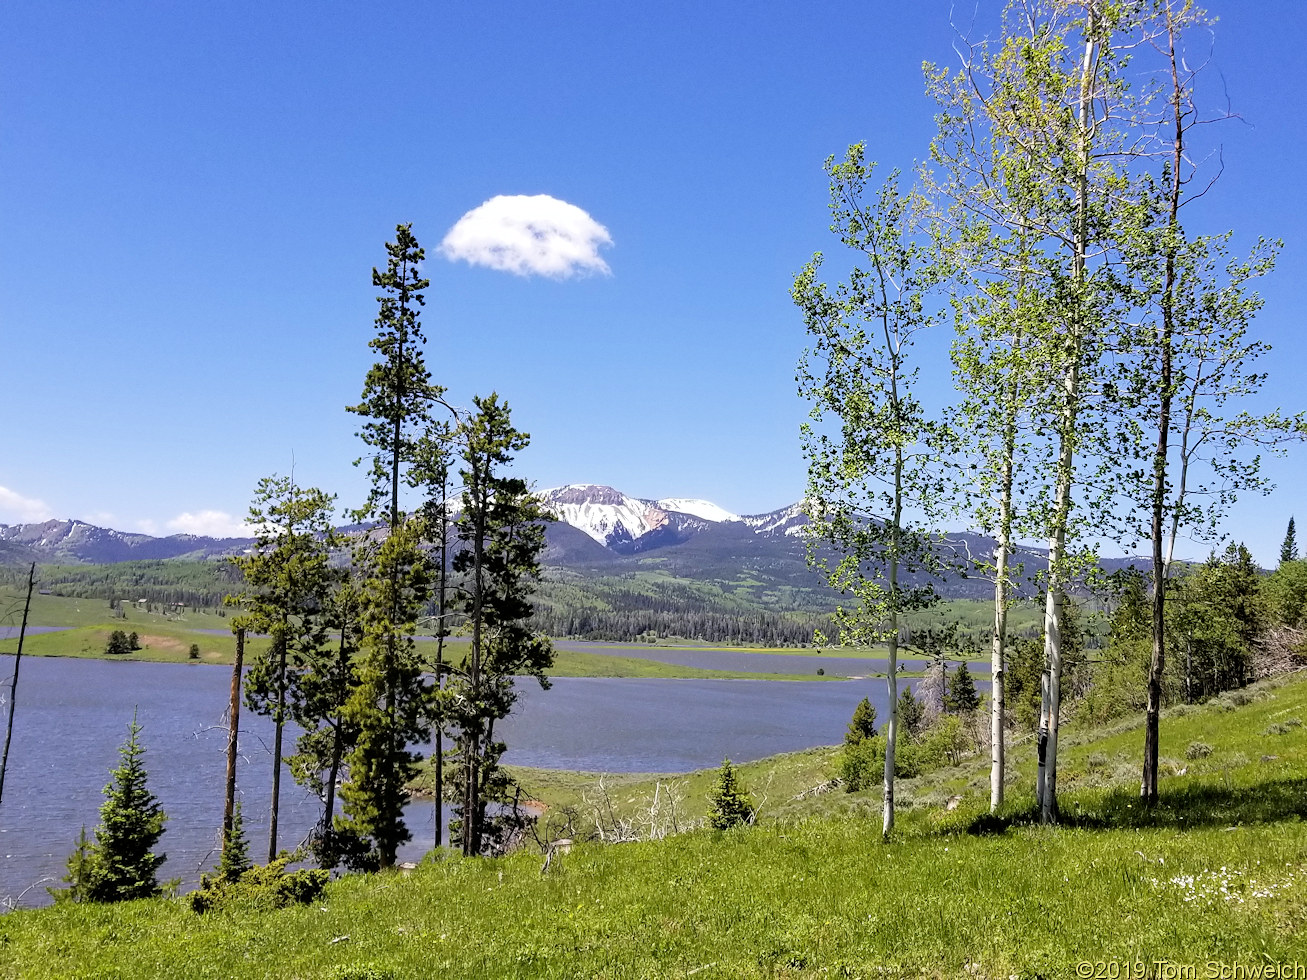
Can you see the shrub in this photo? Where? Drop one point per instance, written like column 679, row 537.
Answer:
column 862, row 765
column 1198, row 750
column 270, row 886
column 944, row 743
column 194, row 653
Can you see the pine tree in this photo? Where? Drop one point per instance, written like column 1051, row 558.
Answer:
column 324, row 689
column 501, row 528
column 235, row 858
column 912, row 713
column 863, row 724
column 288, row 578
column 1289, row 549
column 389, row 708
column 961, row 697
column 729, row 803
column 121, row 864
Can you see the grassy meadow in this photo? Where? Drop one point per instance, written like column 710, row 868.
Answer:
column 85, row 625
column 1211, row 882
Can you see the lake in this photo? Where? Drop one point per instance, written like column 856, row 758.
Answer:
column 72, row 715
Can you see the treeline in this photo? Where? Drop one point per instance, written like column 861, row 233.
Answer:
column 197, row 584
column 634, row 625
column 1226, row 624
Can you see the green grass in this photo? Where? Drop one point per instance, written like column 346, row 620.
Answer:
column 171, row 644
column 52, row 610
column 1213, row 879
column 159, row 644
column 571, row 663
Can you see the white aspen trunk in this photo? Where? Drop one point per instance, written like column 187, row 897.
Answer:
column 998, row 676
column 892, row 675
column 1067, row 429
column 996, row 673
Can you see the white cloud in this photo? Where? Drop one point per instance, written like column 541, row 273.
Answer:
column 17, row 509
column 211, row 523
column 529, row 235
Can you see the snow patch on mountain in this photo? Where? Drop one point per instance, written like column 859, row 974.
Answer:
column 789, row 520
column 703, row 509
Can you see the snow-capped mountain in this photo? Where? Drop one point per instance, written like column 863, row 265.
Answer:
column 614, row 523
column 628, row 524
column 789, row 521
column 607, row 515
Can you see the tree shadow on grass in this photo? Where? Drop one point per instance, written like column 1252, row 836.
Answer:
column 1197, row 804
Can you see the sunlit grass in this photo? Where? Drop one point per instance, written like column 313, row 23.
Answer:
column 1216, row 874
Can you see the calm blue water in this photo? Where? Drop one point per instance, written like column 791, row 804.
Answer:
column 72, row 715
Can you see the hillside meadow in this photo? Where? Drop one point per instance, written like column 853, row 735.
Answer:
column 1211, row 882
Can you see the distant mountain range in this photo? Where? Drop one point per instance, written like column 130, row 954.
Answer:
column 600, row 532
column 76, row 542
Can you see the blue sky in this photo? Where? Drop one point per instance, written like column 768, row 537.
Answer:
column 192, row 197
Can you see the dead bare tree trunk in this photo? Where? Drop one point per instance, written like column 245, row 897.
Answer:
column 13, row 684
column 234, row 713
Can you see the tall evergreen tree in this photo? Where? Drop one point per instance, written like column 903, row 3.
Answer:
column 1289, row 548
column 389, row 707
column 121, row 864
column 501, row 529
column 289, row 579
column 433, row 473
column 324, row 687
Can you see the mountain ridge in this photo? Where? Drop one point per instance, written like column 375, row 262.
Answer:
column 601, row 531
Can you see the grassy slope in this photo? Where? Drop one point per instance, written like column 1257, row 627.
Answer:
column 1218, row 874
column 51, row 610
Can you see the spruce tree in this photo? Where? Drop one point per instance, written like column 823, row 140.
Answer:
column 863, row 724
column 501, row 529
column 961, row 696
column 324, row 689
column 912, row 713
column 235, row 858
column 389, row 708
column 729, row 803
column 288, row 583
column 121, row 864
column 1289, row 549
